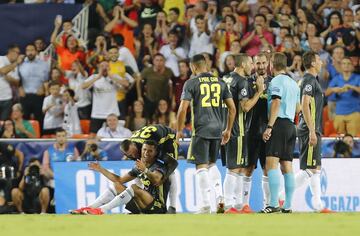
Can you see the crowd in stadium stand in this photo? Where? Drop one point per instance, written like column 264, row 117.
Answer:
column 135, row 61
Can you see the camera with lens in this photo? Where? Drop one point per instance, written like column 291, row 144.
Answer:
column 34, row 170
column 94, row 147
column 33, row 181
column 341, row 148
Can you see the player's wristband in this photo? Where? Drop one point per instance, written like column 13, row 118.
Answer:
column 269, row 127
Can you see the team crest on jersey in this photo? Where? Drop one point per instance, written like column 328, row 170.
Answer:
column 308, row 88
column 243, row 92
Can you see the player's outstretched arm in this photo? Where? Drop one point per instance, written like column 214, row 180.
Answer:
column 111, row 176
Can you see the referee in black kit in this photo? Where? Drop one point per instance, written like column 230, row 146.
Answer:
column 280, row 134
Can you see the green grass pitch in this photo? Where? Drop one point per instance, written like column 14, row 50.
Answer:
column 304, row 224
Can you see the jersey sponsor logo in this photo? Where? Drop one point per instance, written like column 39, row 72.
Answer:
column 308, row 88
column 243, row 92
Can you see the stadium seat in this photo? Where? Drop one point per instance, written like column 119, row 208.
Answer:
column 85, row 126
column 81, row 136
column 36, row 126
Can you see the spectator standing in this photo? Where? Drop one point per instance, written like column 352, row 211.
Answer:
column 77, row 77
column 71, row 123
column 147, row 13
column 33, row 72
column 296, row 69
column 146, row 46
column 175, row 25
column 156, row 78
column 346, row 86
column 126, row 80
column 173, row 53
column 53, row 109
column 179, row 82
column 125, row 54
column 67, row 49
column 113, row 129
column 225, row 33
column 162, row 29
column 97, row 53
column 336, row 34
column 105, row 87
column 200, row 38
column 8, row 77
column 124, row 25
column 258, row 39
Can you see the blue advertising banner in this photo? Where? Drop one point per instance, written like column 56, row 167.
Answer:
column 76, row 186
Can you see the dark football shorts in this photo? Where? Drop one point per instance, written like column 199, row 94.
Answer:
column 203, row 151
column 310, row 156
column 236, row 153
column 282, row 141
column 257, row 151
column 170, row 148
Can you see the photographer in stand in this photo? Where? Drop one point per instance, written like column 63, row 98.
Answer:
column 11, row 163
column 32, row 196
column 92, row 152
column 344, row 147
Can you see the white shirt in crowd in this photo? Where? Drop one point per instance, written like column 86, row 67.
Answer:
column 171, row 59
column 82, row 96
column 200, row 44
column 104, row 97
column 54, row 116
column 128, row 58
column 120, row 132
column 71, row 120
column 5, row 88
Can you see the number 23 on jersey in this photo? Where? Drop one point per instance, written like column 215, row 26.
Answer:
column 210, row 95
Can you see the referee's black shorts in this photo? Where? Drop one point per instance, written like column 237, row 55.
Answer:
column 282, row 141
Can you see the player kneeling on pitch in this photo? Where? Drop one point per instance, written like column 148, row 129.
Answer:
column 148, row 196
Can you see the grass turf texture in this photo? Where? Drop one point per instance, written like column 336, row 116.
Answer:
column 182, row 224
